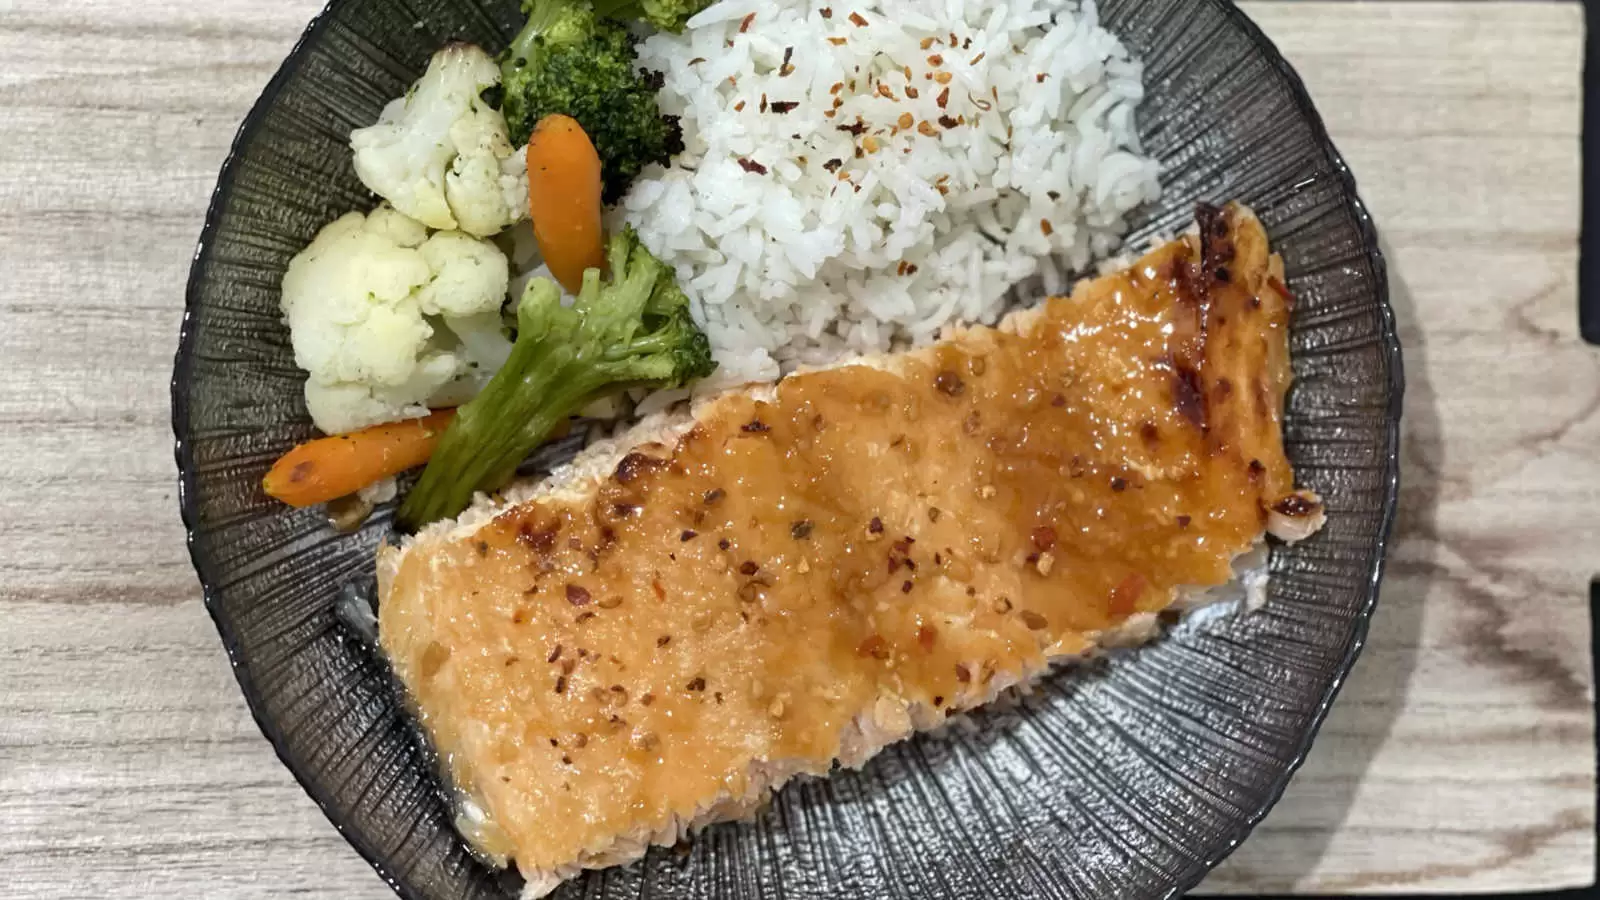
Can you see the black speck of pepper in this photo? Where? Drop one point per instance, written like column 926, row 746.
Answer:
column 755, row 426
column 934, row 513
column 561, row 684
column 664, row 640
column 713, row 496
column 749, row 567
column 724, row 544
column 875, row 526
column 938, row 700
column 783, row 106
column 751, row 166
column 687, row 536
column 905, row 587
column 1257, row 469
column 555, row 654
column 697, row 685
column 801, row 530
column 483, row 548
column 1119, row 484
column 577, row 595
column 1183, row 521
column 584, row 617
column 833, row 165
column 566, row 760
column 1223, row 275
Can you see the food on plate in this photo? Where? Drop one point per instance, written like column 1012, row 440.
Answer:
column 798, row 575
column 627, row 328
column 388, row 320
column 441, row 153
column 574, row 60
column 564, row 192
column 328, row 468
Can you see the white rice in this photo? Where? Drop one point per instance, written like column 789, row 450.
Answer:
column 796, row 252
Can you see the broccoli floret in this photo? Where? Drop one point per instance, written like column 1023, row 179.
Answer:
column 667, row 15
column 630, row 329
column 567, row 60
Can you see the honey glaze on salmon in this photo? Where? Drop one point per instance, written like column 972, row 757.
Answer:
column 865, row 541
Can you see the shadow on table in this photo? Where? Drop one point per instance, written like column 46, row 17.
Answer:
column 1288, row 847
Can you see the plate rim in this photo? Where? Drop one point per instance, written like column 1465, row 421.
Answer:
column 184, row 358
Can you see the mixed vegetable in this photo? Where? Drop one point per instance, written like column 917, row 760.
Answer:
column 398, row 315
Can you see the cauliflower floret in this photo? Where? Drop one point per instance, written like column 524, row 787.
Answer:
column 441, row 155
column 357, row 301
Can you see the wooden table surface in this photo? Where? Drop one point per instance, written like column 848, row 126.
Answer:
column 1460, row 756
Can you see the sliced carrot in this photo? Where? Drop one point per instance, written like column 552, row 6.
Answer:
column 564, row 199
column 333, row 467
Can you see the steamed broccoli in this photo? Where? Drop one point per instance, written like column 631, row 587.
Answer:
column 667, row 15
column 570, row 60
column 632, row 330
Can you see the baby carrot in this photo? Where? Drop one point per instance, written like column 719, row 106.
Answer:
column 333, row 467
column 564, row 199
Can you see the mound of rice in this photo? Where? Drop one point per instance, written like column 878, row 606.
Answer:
column 860, row 174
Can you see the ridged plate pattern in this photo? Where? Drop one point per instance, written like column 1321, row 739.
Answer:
column 1125, row 779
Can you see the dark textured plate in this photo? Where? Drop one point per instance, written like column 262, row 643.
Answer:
column 1130, row 780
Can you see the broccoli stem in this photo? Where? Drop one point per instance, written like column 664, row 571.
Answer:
column 540, row 388
column 609, row 340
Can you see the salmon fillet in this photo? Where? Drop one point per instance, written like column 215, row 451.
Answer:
column 798, row 575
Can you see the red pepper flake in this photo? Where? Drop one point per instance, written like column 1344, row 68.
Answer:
column 724, row 544
column 857, row 20
column 837, row 41
column 1039, row 78
column 963, row 674
column 687, row 536
column 944, row 99
column 978, row 59
column 874, row 646
column 856, row 130
column 905, row 587
column 755, row 426
column 1044, row 537
column 749, row 567
column 744, row 26
column 655, row 585
column 1058, row 401
column 664, row 640
column 1046, row 227
column 753, row 167
column 739, row 107
column 763, row 102
column 949, row 383
column 555, row 654
column 827, row 12
column 697, row 685
column 577, row 595
column 833, row 165
column 948, row 122
column 911, row 91
column 886, row 91
column 1125, row 596
column 936, row 60
column 785, row 69
column 646, row 699
column 926, row 636
column 782, row 107
column 1183, row 521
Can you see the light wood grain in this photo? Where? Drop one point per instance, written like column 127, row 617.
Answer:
column 1459, row 757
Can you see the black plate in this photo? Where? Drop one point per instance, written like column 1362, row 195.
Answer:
column 1130, row 780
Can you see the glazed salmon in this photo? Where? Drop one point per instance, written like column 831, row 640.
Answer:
column 800, row 574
